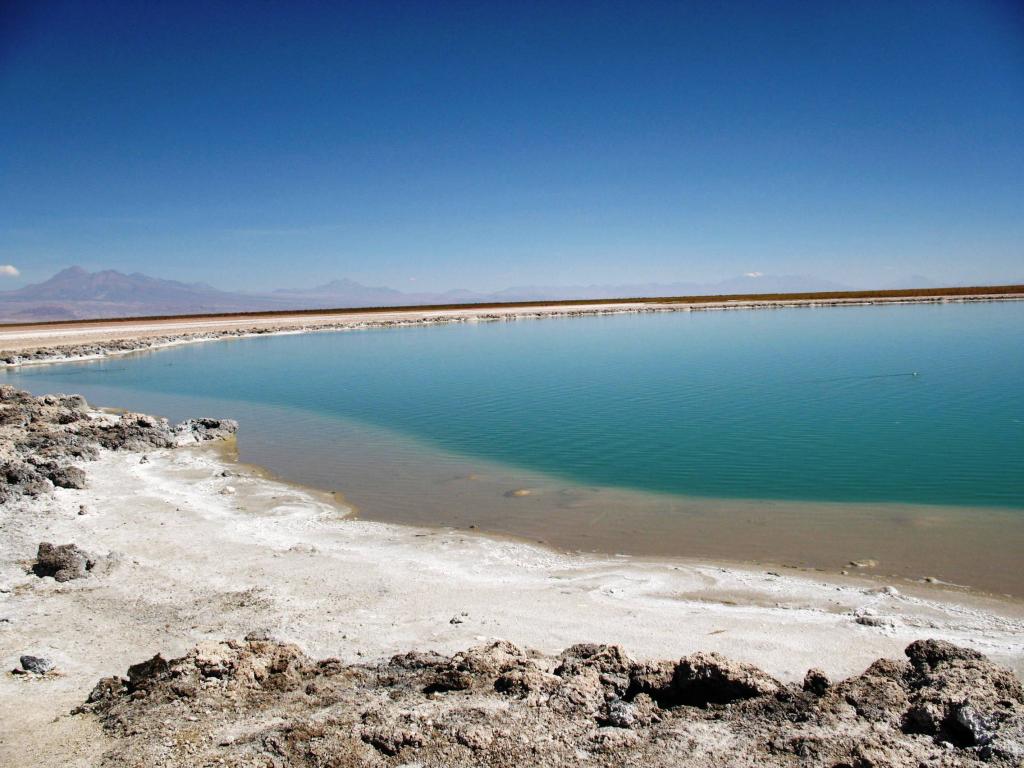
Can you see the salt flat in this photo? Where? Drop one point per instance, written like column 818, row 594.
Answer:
column 199, row 555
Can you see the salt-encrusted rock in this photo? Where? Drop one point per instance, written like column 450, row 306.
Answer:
column 131, row 432
column 871, row 620
column 978, row 728
column 880, row 694
column 64, row 562
column 958, row 696
column 708, row 678
column 262, row 702
column 620, row 713
column 201, row 430
column 42, row 438
column 22, row 478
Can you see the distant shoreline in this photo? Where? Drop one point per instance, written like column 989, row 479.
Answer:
column 813, row 296
column 62, row 341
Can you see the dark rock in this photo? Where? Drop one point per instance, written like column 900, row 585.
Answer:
column 927, row 655
column 447, row 680
column 816, row 682
column 524, row 680
column 609, row 659
column 68, row 417
column 419, row 660
column 708, row 678
column 106, row 689
column 146, row 673
column 68, row 477
column 391, row 741
column 24, row 479
column 35, row 665
column 880, row 694
column 64, row 562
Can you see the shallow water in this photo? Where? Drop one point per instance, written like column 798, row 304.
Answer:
column 798, row 435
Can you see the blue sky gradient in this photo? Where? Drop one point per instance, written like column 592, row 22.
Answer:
column 437, row 145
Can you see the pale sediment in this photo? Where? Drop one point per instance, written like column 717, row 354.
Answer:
column 195, row 548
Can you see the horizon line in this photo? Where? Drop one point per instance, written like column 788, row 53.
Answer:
column 1005, row 291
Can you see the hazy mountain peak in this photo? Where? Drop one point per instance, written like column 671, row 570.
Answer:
column 75, row 292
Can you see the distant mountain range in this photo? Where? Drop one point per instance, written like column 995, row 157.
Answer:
column 75, row 293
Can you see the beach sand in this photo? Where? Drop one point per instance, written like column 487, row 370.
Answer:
column 197, row 555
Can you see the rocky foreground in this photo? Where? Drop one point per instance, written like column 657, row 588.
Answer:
column 265, row 703
column 44, row 440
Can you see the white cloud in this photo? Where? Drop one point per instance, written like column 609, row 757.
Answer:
column 9, row 270
column 753, row 274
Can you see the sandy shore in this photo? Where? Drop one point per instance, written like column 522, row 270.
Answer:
column 26, row 344
column 197, row 555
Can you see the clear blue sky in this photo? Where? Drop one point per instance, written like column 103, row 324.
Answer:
column 487, row 144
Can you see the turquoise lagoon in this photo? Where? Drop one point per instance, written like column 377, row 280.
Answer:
column 882, row 409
